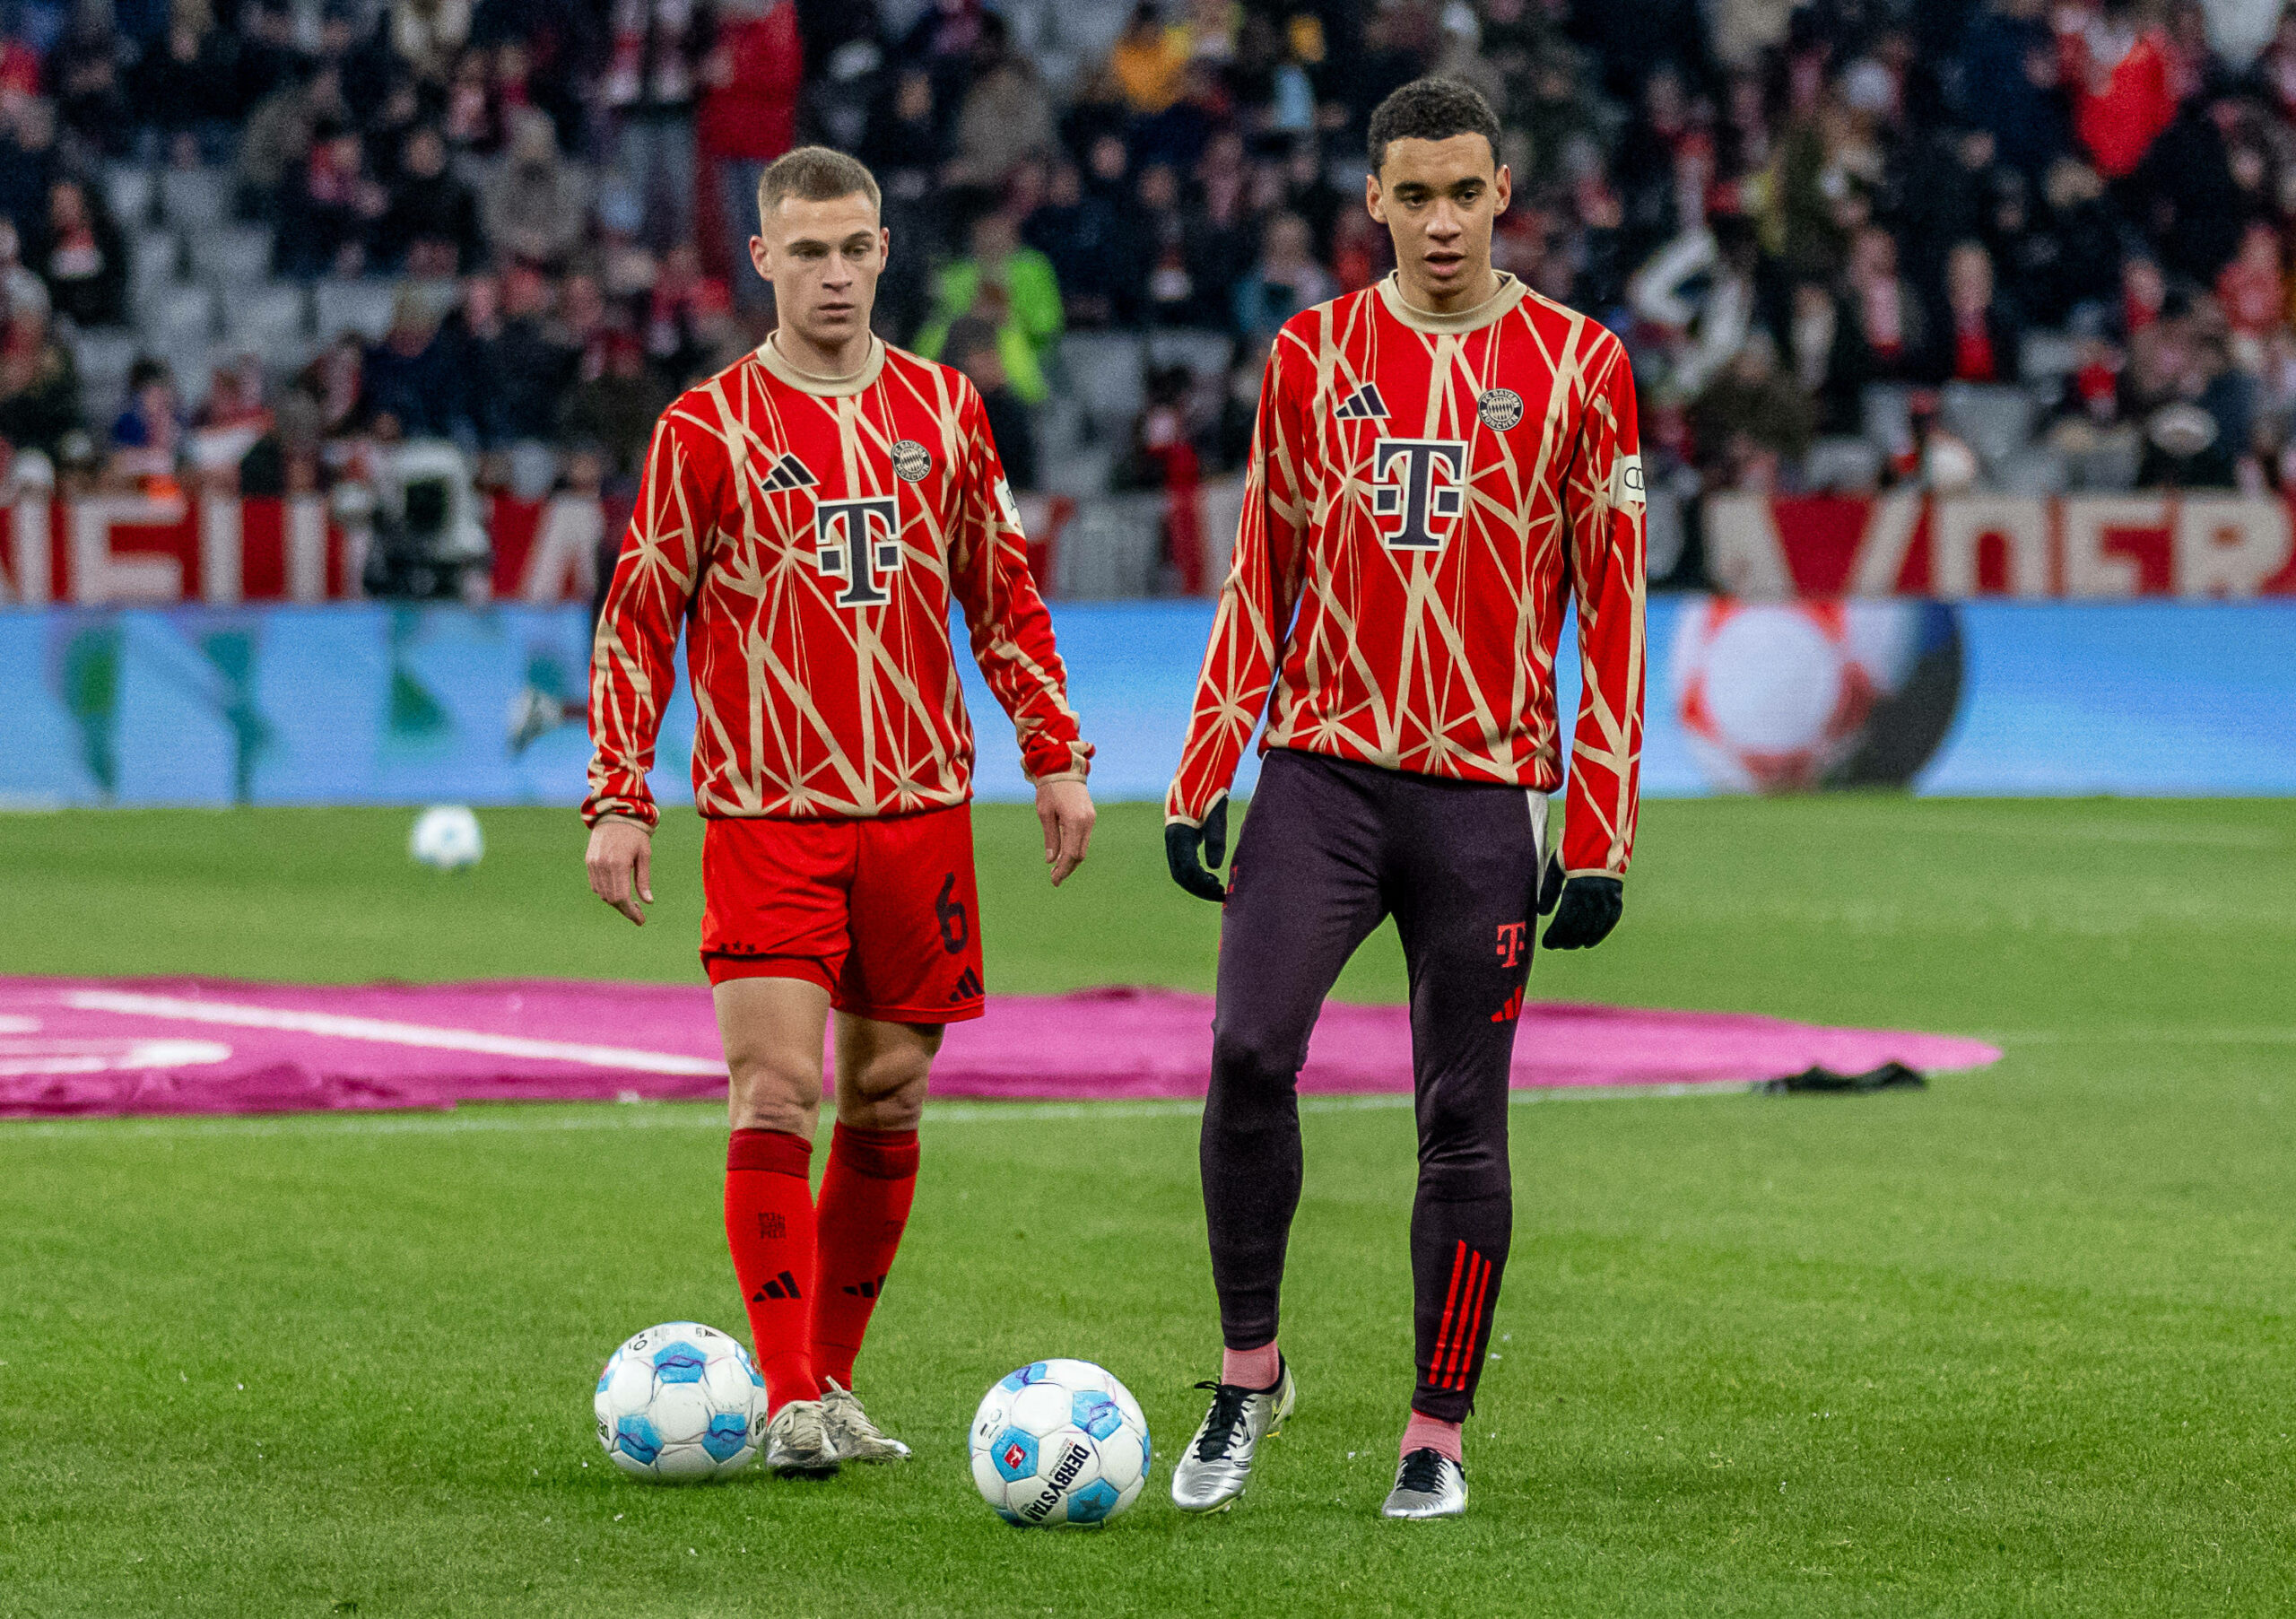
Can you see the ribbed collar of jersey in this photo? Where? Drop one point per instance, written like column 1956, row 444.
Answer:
column 1510, row 294
column 819, row 386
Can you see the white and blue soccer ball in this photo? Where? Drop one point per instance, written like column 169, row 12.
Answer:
column 1059, row 1442
column 446, row 836
column 679, row 1402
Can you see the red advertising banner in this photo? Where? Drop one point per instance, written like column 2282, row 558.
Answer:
column 2099, row 547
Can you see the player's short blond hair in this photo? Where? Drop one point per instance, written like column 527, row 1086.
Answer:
column 815, row 174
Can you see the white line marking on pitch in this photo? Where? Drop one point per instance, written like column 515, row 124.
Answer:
column 388, row 1031
column 514, row 1117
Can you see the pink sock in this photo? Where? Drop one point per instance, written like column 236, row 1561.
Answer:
column 1424, row 1433
column 1253, row 1368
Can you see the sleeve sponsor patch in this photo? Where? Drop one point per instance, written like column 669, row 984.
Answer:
column 1626, row 481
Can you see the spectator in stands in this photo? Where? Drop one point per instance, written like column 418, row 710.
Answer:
column 1984, row 339
column 279, row 134
column 2253, row 295
column 1005, row 117
column 617, row 408
column 337, row 378
column 1012, row 287
column 410, row 375
column 1148, row 60
column 975, row 349
column 517, row 366
column 40, row 385
column 147, row 437
column 537, row 206
column 2116, row 68
column 753, row 78
column 91, row 102
column 1751, row 420
column 331, row 205
column 28, row 164
column 651, row 80
column 84, row 258
column 2009, row 82
column 431, row 229
column 1887, row 309
column 1080, row 236
column 187, row 89
column 1700, row 290
column 429, row 35
column 1827, row 355
column 289, row 459
column 1286, row 280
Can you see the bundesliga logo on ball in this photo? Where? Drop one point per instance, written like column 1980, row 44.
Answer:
column 1059, row 1442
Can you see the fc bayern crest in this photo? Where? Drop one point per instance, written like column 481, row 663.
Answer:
column 912, row 460
column 1500, row 407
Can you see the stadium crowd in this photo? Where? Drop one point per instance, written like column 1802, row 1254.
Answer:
column 2029, row 245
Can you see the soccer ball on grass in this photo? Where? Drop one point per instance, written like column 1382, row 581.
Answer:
column 446, row 836
column 1059, row 1442
column 681, row 1402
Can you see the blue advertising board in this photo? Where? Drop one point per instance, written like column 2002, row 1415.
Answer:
column 349, row 704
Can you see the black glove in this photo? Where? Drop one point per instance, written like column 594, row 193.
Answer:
column 1190, row 851
column 1585, row 908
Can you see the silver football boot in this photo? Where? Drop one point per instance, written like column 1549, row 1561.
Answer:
column 1217, row 1464
column 853, row 1436
column 1428, row 1484
column 798, row 1442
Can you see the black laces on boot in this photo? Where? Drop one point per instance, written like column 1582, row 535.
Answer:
column 1222, row 1426
column 1423, row 1471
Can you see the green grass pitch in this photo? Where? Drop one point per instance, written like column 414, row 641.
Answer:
column 2020, row 1343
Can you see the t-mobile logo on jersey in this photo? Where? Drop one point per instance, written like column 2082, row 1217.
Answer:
column 846, row 546
column 1414, row 495
column 1512, row 936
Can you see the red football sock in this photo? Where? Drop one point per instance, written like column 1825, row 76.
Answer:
column 865, row 1194
column 1424, row 1433
column 1251, row 1368
column 770, row 1227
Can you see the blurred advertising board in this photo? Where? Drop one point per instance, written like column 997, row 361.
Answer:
column 366, row 703
column 1963, row 547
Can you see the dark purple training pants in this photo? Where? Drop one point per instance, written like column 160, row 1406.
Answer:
column 1330, row 849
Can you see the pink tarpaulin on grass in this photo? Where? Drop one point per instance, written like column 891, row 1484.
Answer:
column 90, row 1046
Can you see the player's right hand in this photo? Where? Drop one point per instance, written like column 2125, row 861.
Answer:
column 1189, row 850
column 620, row 861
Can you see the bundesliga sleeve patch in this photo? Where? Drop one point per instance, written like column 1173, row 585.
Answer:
column 1626, row 482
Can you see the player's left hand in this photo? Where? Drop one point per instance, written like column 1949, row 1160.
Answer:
column 1064, row 809
column 1589, row 909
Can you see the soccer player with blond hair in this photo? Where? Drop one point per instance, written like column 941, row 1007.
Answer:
column 808, row 515
column 1442, row 463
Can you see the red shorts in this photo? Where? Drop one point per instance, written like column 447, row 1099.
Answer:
column 883, row 913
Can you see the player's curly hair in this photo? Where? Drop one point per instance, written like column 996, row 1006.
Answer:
column 1431, row 110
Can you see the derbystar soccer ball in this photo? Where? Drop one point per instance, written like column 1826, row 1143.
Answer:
column 1059, row 1442
column 681, row 1402
column 446, row 836
column 1783, row 697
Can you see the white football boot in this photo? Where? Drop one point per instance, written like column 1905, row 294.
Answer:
column 1217, row 1464
column 798, row 1442
column 856, row 1437
column 1428, row 1484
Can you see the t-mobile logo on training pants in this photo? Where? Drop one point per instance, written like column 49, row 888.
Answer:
column 1414, row 495
column 846, row 546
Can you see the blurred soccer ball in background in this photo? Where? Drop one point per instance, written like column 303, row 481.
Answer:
column 446, row 836
column 681, row 1402
column 1784, row 697
column 1059, row 1442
